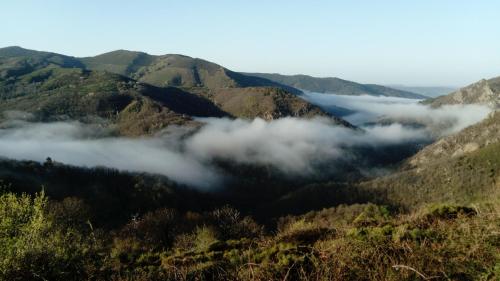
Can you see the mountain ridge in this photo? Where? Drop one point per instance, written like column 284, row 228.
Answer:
column 184, row 71
column 460, row 168
column 175, row 70
column 466, row 141
column 336, row 85
column 484, row 92
column 53, row 86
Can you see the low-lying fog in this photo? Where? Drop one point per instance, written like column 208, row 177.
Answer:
column 291, row 145
column 370, row 109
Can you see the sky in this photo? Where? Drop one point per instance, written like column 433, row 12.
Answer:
column 415, row 43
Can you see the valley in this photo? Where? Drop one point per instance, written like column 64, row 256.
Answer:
column 130, row 166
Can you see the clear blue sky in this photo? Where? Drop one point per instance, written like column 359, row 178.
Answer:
column 420, row 42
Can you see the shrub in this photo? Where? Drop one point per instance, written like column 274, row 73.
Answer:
column 204, row 239
column 231, row 225
column 155, row 230
column 301, row 232
column 372, row 215
column 71, row 212
column 33, row 247
column 445, row 211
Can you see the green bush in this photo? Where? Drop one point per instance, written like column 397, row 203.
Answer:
column 32, row 247
column 445, row 211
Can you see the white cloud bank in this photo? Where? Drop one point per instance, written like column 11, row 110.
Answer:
column 439, row 121
column 291, row 145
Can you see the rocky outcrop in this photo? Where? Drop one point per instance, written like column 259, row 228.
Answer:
column 485, row 92
column 466, row 141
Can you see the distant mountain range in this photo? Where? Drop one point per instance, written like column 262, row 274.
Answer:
column 426, row 91
column 337, row 86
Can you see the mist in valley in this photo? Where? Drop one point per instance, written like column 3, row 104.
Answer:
column 295, row 147
column 364, row 111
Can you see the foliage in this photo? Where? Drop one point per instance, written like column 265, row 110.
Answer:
column 54, row 240
column 34, row 247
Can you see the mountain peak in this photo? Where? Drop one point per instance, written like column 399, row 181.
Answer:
column 12, row 48
column 485, row 92
column 16, row 51
column 121, row 52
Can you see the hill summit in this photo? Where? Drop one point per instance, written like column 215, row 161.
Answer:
column 485, row 92
column 137, row 93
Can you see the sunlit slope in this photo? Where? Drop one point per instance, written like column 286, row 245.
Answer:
column 486, row 92
column 55, row 87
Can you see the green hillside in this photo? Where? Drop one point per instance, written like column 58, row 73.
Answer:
column 470, row 178
column 101, row 224
column 175, row 70
column 55, row 93
column 265, row 102
column 121, row 62
column 16, row 61
column 468, row 140
column 56, row 87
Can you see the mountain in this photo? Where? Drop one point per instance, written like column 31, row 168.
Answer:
column 426, row 91
column 336, row 86
column 472, row 177
column 468, row 140
column 459, row 168
column 16, row 61
column 476, row 139
column 55, row 87
column 55, row 93
column 175, row 70
column 486, row 92
column 263, row 102
column 104, row 224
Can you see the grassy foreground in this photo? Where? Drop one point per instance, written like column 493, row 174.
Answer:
column 41, row 239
